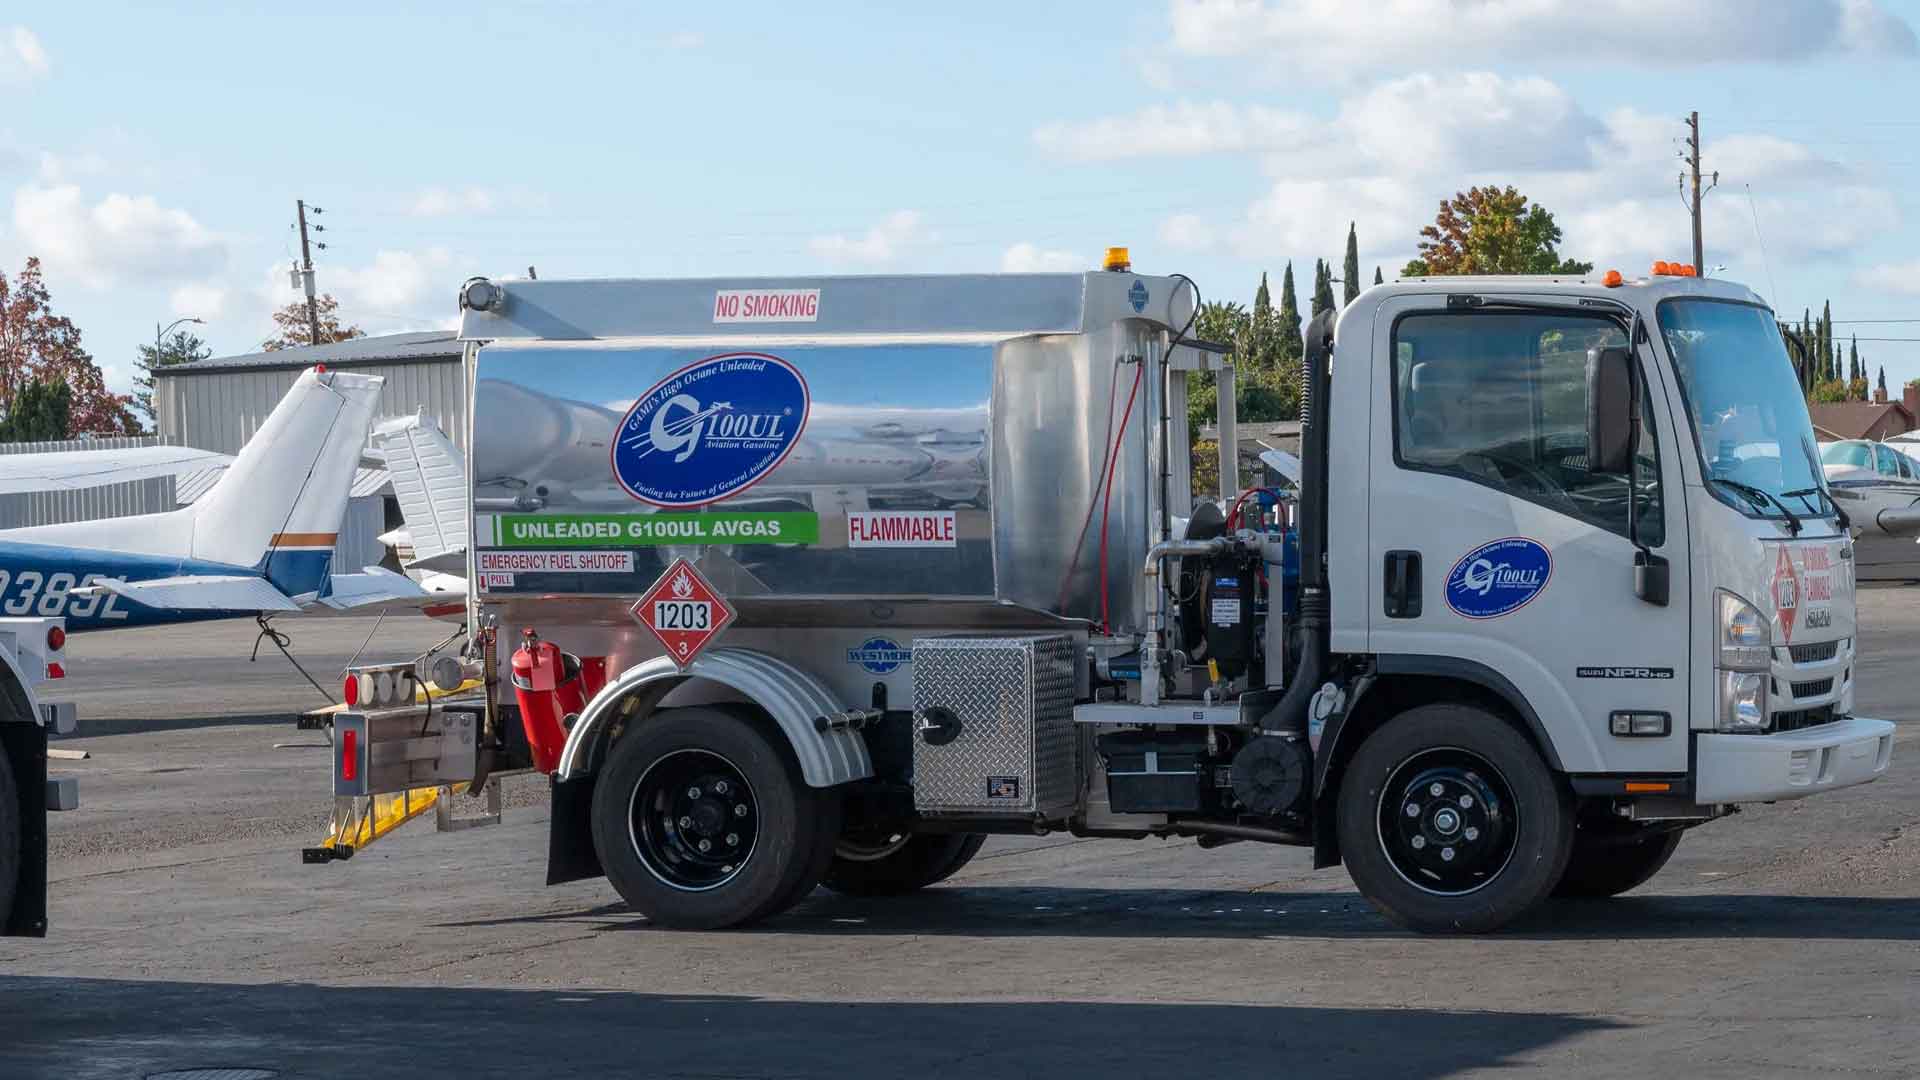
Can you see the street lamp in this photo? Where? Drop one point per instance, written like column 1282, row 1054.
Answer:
column 159, row 333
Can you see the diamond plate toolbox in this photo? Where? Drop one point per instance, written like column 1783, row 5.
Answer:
column 994, row 725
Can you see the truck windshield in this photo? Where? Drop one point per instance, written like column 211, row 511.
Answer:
column 1749, row 418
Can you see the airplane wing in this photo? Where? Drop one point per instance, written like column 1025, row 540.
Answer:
column 68, row 470
column 373, row 585
column 429, row 478
column 200, row 593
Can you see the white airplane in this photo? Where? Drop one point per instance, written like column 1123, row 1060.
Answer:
column 260, row 541
column 429, row 478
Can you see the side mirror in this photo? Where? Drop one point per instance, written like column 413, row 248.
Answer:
column 1610, row 411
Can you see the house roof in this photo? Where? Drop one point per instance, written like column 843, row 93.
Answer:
column 426, row 346
column 1853, row 419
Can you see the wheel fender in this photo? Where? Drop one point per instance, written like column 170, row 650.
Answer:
column 791, row 696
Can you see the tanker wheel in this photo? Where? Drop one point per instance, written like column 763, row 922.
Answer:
column 1451, row 822
column 889, row 864
column 9, row 838
column 1609, row 863
column 702, row 819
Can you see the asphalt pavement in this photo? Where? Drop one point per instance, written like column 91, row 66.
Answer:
column 187, row 934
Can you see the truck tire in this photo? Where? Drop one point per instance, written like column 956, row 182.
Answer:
column 1608, row 864
column 702, row 819
column 1451, row 822
column 891, row 866
column 9, row 839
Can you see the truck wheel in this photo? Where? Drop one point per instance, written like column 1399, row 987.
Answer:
column 702, row 820
column 892, row 864
column 9, row 838
column 1450, row 822
column 1608, row 864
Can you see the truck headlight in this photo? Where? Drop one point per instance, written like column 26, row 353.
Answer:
column 1745, row 636
column 1743, row 702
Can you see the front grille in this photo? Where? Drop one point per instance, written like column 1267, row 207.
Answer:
column 1804, row 718
column 1815, row 653
column 1813, row 688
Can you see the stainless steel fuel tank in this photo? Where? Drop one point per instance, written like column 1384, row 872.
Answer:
column 824, row 446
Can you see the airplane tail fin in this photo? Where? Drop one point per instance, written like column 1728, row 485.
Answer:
column 278, row 507
column 430, row 482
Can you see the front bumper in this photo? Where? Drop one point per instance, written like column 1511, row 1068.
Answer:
column 1790, row 764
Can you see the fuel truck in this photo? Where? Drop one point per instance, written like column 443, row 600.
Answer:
column 823, row 581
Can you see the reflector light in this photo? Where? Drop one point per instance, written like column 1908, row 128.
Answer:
column 349, row 760
column 319, row 369
column 56, row 639
column 1636, row 787
column 351, row 691
column 55, row 671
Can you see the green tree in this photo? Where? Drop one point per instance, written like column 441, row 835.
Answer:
column 1350, row 270
column 1823, row 339
column 1322, row 286
column 41, row 412
column 1377, row 279
column 1883, row 380
column 1491, row 230
column 1289, row 326
column 182, row 347
column 1828, row 391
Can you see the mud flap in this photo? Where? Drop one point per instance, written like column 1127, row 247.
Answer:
column 25, row 746
column 570, row 853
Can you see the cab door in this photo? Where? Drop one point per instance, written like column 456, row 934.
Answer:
column 1495, row 555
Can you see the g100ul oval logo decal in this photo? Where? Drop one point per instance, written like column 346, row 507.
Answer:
column 1498, row 578
column 710, row 429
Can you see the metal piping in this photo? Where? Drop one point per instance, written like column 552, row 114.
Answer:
column 1156, row 619
column 1239, row 832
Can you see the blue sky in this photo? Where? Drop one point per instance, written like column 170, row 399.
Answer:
column 152, row 160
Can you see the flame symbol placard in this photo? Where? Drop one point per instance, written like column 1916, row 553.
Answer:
column 682, row 586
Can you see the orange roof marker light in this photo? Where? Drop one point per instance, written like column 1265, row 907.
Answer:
column 1117, row 260
column 1662, row 268
column 1612, row 279
column 1689, row 271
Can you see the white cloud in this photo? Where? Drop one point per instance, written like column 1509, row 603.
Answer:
column 1334, row 37
column 397, row 286
column 119, row 237
column 884, row 243
column 22, row 57
column 205, row 300
column 1183, row 128
column 1900, row 278
column 442, row 202
column 1028, row 258
column 1311, row 217
column 67, row 168
column 1188, row 233
column 1472, row 120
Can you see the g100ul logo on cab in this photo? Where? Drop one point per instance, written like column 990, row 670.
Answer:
column 1498, row 578
column 710, row 429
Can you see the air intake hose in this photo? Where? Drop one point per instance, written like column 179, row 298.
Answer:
column 1290, row 712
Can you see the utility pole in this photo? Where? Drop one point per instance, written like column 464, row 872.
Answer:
column 1692, row 158
column 306, row 269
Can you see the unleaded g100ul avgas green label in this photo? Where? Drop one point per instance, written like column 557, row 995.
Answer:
column 644, row 530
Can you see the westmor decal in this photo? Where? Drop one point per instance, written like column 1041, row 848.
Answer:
column 1498, row 578
column 880, row 655
column 710, row 429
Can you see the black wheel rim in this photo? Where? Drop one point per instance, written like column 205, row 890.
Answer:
column 1447, row 821
column 693, row 820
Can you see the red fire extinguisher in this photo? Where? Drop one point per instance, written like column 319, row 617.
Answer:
column 547, row 684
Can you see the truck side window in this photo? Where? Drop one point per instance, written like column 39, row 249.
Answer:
column 1500, row 399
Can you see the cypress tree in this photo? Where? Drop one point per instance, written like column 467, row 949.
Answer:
column 1826, row 338
column 1289, row 328
column 1350, row 270
column 1883, row 380
column 1322, row 286
column 1377, row 279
